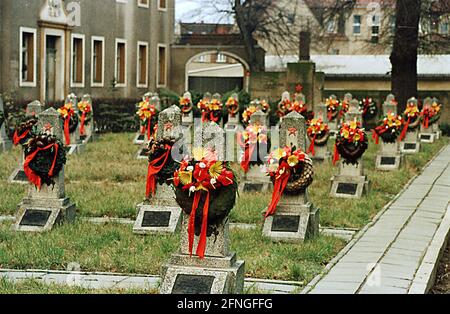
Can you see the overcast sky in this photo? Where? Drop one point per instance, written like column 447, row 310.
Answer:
column 192, row 11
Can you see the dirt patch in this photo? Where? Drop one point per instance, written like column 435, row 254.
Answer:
column 442, row 285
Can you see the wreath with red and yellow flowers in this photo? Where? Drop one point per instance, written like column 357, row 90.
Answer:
column 67, row 112
column 283, row 107
column 232, row 106
column 369, row 108
column 203, row 182
column 24, row 132
column 264, row 105
column 147, row 114
column 428, row 116
column 388, row 129
column 297, row 106
column 291, row 171
column 332, row 108
column 344, row 107
column 211, row 110
column 247, row 114
column 351, row 143
column 186, row 105
column 437, row 108
column 411, row 119
column 85, row 109
column 45, row 157
column 253, row 140
column 318, row 133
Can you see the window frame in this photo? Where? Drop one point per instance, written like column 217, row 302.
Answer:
column 116, row 50
column 357, row 25
column 93, row 40
column 158, row 85
column 83, row 66
column 138, row 66
column 32, row 31
column 143, row 5
column 163, row 9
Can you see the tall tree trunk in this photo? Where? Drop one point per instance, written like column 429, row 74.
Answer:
column 405, row 50
column 247, row 36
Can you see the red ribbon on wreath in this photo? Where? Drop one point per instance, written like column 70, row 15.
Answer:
column 311, row 148
column 31, row 175
column 17, row 138
column 83, row 121
column 201, row 246
column 154, row 167
column 278, row 189
column 336, row 155
column 67, row 130
column 405, row 129
column 213, row 117
column 204, row 116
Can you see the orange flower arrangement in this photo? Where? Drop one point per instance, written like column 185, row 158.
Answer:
column 332, row 108
column 317, row 130
column 86, row 112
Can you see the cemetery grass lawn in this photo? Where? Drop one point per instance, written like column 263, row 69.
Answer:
column 114, row 248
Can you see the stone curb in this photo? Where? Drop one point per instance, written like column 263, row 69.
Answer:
column 310, row 286
column 425, row 277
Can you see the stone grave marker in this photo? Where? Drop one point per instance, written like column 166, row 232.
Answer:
column 41, row 209
column 256, row 179
column 322, row 154
column 411, row 142
column 233, row 120
column 351, row 181
column 161, row 214
column 436, row 128
column 89, row 127
column 188, row 118
column 140, row 139
column 296, row 219
column 334, row 125
column 18, row 176
column 5, row 142
column 76, row 144
column 232, row 129
column 427, row 135
column 389, row 157
column 219, row 272
column 142, row 153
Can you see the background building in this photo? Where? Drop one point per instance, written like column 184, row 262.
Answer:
column 53, row 47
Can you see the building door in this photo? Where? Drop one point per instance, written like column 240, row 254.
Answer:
column 51, row 69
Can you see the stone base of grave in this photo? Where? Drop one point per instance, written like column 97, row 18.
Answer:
column 139, row 139
column 349, row 186
column 334, row 128
column 294, row 221
column 436, row 130
column 40, row 215
column 411, row 143
column 388, row 162
column 321, row 154
column 153, row 219
column 5, row 145
column 218, row 273
column 427, row 137
column 18, row 176
column 255, row 181
column 142, row 152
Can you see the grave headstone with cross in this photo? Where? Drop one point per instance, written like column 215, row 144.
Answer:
column 389, row 157
column 219, row 272
column 296, row 219
column 411, row 143
column 18, row 176
column 89, row 127
column 76, row 144
column 161, row 213
column 256, row 179
column 5, row 142
column 41, row 209
column 427, row 134
column 154, row 100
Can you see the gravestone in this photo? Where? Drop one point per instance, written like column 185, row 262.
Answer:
column 233, row 120
column 436, row 128
column 256, row 179
column 5, row 142
column 143, row 151
column 232, row 129
column 188, row 118
column 351, row 181
column 296, row 219
column 389, row 157
column 427, row 135
column 18, row 176
column 76, row 144
column 41, row 209
column 322, row 154
column 411, row 142
column 334, row 124
column 285, row 97
column 141, row 139
column 89, row 127
column 161, row 214
column 219, row 272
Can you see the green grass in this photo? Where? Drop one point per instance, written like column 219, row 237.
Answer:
column 31, row 286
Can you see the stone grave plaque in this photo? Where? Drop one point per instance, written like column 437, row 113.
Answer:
column 21, row 176
column 35, row 218
column 193, row 284
column 141, row 137
column 347, row 188
column 388, row 161
column 253, row 187
column 425, row 137
column 156, row 219
column 285, row 223
column 409, row 146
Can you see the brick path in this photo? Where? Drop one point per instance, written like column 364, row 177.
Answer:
column 399, row 252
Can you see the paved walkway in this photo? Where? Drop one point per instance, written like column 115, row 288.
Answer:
column 398, row 253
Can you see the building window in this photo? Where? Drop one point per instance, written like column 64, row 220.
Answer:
column 162, row 5
column 121, row 63
column 221, row 58
column 331, row 25
column 27, row 57
column 443, row 28
column 162, row 66
column 356, row 24
column 142, row 64
column 78, row 61
column 98, row 62
column 375, row 29
column 143, row 3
